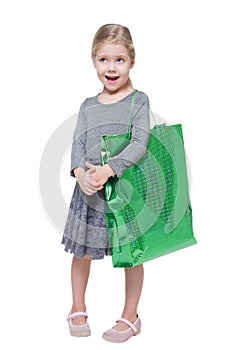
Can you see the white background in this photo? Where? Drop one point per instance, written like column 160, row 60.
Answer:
column 184, row 65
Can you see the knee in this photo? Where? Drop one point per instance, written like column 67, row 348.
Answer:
column 85, row 258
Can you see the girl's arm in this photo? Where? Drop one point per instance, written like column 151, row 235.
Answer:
column 139, row 138
column 79, row 142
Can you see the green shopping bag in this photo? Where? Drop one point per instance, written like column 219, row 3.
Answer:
column 148, row 210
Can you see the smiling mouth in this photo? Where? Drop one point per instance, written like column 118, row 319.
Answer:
column 109, row 78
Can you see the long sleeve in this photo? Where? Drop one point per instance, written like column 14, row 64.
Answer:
column 79, row 142
column 139, row 139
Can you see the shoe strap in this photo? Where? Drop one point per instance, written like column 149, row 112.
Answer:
column 76, row 314
column 128, row 323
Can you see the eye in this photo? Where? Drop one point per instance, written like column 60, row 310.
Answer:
column 103, row 59
column 120, row 60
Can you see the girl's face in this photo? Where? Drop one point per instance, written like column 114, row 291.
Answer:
column 113, row 65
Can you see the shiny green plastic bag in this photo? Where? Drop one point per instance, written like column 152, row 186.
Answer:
column 148, row 211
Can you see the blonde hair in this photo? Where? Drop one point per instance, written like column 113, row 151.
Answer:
column 113, row 34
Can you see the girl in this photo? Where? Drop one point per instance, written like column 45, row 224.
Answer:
column 85, row 233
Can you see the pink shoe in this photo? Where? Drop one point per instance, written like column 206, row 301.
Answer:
column 115, row 336
column 78, row 331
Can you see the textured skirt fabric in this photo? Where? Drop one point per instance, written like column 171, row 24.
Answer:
column 85, row 230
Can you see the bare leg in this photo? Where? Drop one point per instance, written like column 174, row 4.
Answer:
column 79, row 278
column 133, row 288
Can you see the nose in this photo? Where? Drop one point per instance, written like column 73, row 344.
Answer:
column 111, row 67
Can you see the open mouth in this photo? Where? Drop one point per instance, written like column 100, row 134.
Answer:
column 111, row 78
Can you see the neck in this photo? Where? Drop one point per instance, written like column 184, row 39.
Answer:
column 107, row 96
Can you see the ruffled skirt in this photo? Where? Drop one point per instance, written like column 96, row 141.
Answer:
column 85, row 231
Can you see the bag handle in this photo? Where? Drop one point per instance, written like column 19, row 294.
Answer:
column 131, row 114
column 131, row 111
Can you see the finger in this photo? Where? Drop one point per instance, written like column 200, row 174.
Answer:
column 93, row 181
column 93, row 187
column 90, row 182
column 89, row 191
column 97, row 177
column 91, row 170
column 89, row 165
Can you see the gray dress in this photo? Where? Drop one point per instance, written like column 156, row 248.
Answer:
column 85, row 231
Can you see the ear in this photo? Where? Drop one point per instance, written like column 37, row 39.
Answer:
column 94, row 61
column 132, row 63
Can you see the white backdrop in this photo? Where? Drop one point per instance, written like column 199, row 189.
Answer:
column 183, row 63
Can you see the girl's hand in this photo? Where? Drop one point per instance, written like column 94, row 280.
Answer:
column 92, row 169
column 103, row 173
column 86, row 180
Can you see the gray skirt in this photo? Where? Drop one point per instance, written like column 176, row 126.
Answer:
column 85, row 231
